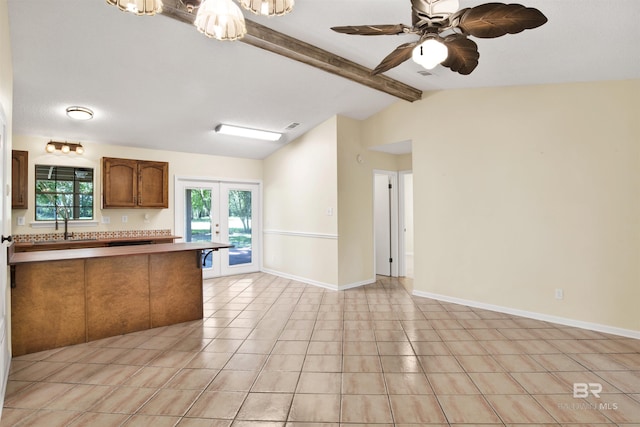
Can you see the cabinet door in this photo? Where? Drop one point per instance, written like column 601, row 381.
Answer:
column 153, row 184
column 119, row 183
column 19, row 174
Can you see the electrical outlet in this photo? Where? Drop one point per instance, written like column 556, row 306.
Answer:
column 125, row 218
column 106, row 220
column 20, row 220
column 559, row 293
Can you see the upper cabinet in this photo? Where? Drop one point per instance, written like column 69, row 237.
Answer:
column 19, row 179
column 130, row 183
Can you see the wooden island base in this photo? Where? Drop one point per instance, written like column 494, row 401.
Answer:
column 71, row 301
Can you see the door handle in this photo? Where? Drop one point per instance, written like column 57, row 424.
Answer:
column 7, row 239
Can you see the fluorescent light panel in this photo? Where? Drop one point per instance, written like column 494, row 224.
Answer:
column 248, row 133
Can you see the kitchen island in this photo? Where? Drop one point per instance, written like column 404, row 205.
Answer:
column 71, row 296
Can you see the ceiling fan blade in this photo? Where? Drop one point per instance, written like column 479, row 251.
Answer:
column 395, row 58
column 371, row 30
column 463, row 54
column 497, row 19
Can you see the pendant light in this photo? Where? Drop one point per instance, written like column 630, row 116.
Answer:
column 221, row 20
column 139, row 7
column 268, row 7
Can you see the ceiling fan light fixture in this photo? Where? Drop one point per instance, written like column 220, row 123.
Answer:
column 268, row 7
column 430, row 53
column 191, row 5
column 221, row 20
column 139, row 7
column 446, row 7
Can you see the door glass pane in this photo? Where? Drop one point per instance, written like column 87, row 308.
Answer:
column 198, row 219
column 240, row 227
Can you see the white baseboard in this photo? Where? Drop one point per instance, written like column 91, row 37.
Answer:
column 629, row 333
column 357, row 284
column 316, row 282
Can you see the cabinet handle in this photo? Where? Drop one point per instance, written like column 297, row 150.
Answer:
column 7, row 239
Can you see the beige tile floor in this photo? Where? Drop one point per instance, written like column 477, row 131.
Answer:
column 273, row 352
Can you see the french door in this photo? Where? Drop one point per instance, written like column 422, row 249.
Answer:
column 222, row 212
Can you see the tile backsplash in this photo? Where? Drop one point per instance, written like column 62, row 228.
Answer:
column 26, row 238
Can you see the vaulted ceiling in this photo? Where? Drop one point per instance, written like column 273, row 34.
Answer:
column 156, row 82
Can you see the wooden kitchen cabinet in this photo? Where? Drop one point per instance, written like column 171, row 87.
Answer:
column 19, row 179
column 128, row 183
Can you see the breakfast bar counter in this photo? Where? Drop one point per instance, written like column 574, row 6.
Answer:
column 71, row 296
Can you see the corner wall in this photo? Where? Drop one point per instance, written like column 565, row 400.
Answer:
column 523, row 190
column 355, row 200
column 301, row 208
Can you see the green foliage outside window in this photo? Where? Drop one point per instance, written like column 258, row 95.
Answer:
column 63, row 192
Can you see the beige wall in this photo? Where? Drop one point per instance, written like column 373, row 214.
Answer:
column 522, row 190
column 355, row 201
column 6, row 106
column 181, row 164
column 305, row 179
column 6, row 98
column 301, row 208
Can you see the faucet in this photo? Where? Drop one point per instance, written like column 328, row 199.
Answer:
column 66, row 222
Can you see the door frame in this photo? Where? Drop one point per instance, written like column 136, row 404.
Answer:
column 5, row 230
column 393, row 178
column 402, row 225
column 216, row 181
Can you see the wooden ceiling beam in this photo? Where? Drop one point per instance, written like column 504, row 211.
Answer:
column 265, row 38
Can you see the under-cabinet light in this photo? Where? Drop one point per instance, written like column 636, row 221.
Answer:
column 248, row 133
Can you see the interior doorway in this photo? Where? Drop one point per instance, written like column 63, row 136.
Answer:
column 385, row 222
column 221, row 211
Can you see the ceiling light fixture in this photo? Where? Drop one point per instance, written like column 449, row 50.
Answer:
column 191, row 5
column 64, row 147
column 79, row 113
column 268, row 7
column 247, row 132
column 139, row 7
column 221, row 20
column 218, row 19
column 430, row 53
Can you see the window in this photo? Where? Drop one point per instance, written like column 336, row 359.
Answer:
column 63, row 192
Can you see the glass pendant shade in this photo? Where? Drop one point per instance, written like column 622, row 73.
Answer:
column 139, row 7
column 430, row 53
column 221, row 20
column 268, row 7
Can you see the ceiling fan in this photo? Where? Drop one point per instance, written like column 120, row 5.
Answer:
column 444, row 32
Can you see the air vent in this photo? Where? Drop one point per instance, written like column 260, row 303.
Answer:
column 425, row 73
column 292, row 126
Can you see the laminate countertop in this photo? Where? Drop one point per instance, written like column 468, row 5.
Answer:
column 75, row 243
column 101, row 252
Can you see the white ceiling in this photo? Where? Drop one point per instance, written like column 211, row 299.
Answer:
column 157, row 83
